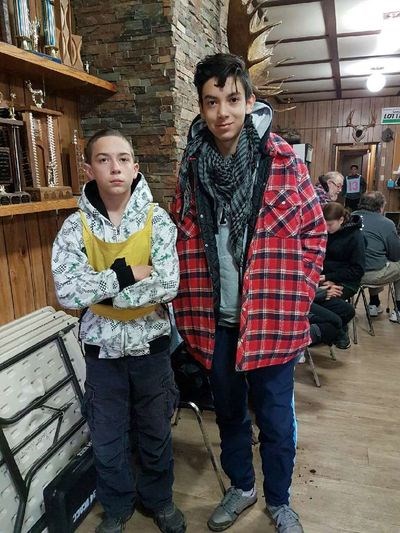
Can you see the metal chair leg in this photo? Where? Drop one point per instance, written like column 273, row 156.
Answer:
column 332, row 353
column 176, row 416
column 206, row 439
column 308, row 356
column 371, row 327
column 355, row 336
column 354, row 323
column 392, row 291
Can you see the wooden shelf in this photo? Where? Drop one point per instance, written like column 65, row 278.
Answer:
column 56, row 75
column 37, row 207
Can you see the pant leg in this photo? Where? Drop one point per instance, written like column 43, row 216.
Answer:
column 229, row 389
column 341, row 308
column 329, row 323
column 272, row 392
column 388, row 274
column 107, row 409
column 321, row 315
column 154, row 398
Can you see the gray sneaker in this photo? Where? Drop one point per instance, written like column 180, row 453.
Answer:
column 286, row 520
column 227, row 512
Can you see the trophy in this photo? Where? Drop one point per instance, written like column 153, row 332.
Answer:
column 5, row 26
column 43, row 146
column 76, row 163
column 34, row 28
column 37, row 94
column 11, row 174
column 21, row 17
column 50, row 43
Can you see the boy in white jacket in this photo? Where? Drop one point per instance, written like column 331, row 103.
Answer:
column 116, row 259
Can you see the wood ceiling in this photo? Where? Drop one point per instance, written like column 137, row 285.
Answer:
column 332, row 46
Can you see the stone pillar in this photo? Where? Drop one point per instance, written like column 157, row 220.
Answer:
column 149, row 50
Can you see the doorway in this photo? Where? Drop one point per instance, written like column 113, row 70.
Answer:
column 362, row 155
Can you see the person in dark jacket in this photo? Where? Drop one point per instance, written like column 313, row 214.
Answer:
column 353, row 187
column 344, row 263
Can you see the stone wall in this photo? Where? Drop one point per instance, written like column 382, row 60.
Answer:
column 149, row 49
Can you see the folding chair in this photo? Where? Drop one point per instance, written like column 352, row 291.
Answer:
column 361, row 292
column 195, row 391
column 309, row 359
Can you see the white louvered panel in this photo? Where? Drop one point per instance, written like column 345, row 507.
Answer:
column 22, row 383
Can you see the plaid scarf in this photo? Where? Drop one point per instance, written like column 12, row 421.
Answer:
column 229, row 181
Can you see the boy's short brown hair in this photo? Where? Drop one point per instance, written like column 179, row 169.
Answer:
column 106, row 132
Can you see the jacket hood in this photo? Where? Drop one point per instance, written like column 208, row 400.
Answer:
column 261, row 116
column 91, row 203
column 355, row 222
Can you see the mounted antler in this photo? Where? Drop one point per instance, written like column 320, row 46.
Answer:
column 248, row 30
column 360, row 131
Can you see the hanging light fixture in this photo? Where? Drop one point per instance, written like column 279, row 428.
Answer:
column 376, row 81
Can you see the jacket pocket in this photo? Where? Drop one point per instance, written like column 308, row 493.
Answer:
column 188, row 228
column 280, row 215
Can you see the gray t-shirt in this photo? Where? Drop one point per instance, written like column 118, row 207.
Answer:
column 228, row 273
column 382, row 241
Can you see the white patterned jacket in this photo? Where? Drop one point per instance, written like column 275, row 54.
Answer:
column 78, row 285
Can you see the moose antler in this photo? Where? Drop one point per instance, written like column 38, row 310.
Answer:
column 248, row 30
column 360, row 131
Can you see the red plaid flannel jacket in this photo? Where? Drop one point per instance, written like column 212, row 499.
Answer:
column 282, row 271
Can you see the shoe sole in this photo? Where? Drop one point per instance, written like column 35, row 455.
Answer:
column 181, row 530
column 222, row 527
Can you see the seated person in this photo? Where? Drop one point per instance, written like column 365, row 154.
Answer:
column 329, row 187
column 331, row 314
column 344, row 262
column 382, row 252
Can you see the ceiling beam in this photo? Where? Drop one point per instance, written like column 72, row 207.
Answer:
column 296, row 80
column 359, row 58
column 319, row 37
column 329, row 13
column 319, row 61
column 279, row 3
column 297, row 39
column 359, row 33
column 331, row 90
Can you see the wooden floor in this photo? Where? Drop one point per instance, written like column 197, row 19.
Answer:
column 347, row 475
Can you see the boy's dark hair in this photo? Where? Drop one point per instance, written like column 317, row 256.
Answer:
column 354, row 166
column 106, row 132
column 221, row 66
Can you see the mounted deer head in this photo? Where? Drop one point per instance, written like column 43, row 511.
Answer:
column 248, row 29
column 360, row 131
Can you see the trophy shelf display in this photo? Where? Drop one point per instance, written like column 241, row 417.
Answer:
column 56, row 75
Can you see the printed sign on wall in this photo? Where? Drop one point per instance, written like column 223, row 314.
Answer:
column 390, row 115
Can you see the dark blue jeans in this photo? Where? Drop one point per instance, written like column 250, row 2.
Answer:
column 271, row 392
column 131, row 400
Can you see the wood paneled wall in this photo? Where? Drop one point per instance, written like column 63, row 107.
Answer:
column 26, row 241
column 25, row 262
column 323, row 124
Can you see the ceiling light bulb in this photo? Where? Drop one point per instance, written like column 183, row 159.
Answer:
column 376, row 82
